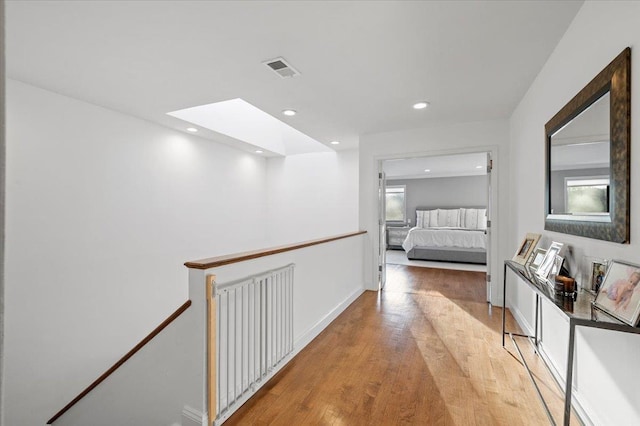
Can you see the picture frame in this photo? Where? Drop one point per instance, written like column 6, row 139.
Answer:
column 619, row 294
column 536, row 258
column 549, row 260
column 586, row 271
column 598, row 270
column 555, row 269
column 526, row 247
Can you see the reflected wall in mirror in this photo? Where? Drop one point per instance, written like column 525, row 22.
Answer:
column 587, row 167
column 580, row 163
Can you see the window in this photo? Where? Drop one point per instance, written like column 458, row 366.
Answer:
column 395, row 203
column 587, row 195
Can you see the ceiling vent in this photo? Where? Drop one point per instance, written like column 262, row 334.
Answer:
column 281, row 67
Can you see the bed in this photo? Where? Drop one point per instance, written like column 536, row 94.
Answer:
column 450, row 235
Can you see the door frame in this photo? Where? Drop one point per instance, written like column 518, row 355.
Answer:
column 382, row 228
column 493, row 266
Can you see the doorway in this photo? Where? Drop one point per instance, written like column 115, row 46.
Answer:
column 410, row 192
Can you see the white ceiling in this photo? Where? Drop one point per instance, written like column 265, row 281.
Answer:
column 584, row 142
column 241, row 120
column 590, row 125
column 473, row 164
column 362, row 63
column 580, row 156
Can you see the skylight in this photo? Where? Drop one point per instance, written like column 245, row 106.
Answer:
column 240, row 120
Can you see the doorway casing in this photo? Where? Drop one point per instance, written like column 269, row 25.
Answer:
column 493, row 294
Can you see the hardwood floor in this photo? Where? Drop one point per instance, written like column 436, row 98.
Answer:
column 425, row 351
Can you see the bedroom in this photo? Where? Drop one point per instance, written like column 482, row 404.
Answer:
column 436, row 211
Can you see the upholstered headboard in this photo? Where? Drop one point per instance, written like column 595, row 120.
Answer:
column 462, row 217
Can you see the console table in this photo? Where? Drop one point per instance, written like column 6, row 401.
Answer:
column 581, row 313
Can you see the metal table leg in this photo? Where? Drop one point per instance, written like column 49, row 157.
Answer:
column 504, row 300
column 535, row 333
column 533, row 380
column 568, row 386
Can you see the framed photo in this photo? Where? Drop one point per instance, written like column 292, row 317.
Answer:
column 549, row 260
column 525, row 248
column 536, row 258
column 556, row 268
column 619, row 295
column 598, row 271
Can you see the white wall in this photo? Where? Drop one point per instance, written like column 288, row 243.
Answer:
column 168, row 373
column 607, row 373
column 155, row 385
column 102, row 211
column 445, row 139
column 2, row 208
column 312, row 196
column 327, row 278
column 455, row 191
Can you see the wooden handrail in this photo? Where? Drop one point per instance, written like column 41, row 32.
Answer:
column 248, row 255
column 122, row 360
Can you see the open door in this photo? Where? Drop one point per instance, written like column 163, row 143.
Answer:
column 382, row 230
column 489, row 224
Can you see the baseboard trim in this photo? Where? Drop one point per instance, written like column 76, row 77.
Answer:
column 317, row 328
column 521, row 320
column 585, row 416
column 193, row 417
column 298, row 345
column 371, row 286
column 248, row 395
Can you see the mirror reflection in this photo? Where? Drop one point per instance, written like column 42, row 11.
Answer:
column 580, row 163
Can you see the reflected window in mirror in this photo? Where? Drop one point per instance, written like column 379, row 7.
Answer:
column 587, row 195
column 587, row 147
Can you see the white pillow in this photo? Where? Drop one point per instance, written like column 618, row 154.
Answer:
column 482, row 219
column 433, row 219
column 450, row 218
column 426, row 218
column 469, row 219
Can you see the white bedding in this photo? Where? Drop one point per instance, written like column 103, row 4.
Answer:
column 445, row 237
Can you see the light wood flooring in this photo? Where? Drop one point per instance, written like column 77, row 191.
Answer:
column 399, row 257
column 425, row 351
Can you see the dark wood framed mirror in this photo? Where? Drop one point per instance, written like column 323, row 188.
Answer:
column 588, row 143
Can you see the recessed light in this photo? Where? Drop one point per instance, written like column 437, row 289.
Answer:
column 420, row 105
column 259, row 151
column 335, row 142
column 289, row 112
column 478, row 167
column 427, row 170
column 192, row 129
